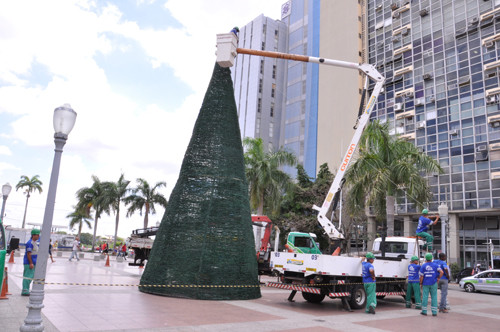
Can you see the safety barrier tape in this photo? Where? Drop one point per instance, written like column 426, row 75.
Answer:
column 300, row 287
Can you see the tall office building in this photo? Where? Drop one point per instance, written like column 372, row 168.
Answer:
column 321, row 101
column 440, row 59
column 259, row 81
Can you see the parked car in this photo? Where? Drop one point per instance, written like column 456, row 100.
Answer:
column 467, row 272
column 485, row 281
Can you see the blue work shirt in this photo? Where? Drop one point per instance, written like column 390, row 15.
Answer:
column 443, row 266
column 430, row 272
column 413, row 270
column 31, row 246
column 423, row 224
column 367, row 276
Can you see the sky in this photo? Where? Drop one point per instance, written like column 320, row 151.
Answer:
column 135, row 71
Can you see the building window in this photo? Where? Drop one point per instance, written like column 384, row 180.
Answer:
column 273, row 90
column 274, row 71
column 260, row 85
column 263, row 46
column 271, row 129
column 259, row 105
column 271, row 113
column 262, row 66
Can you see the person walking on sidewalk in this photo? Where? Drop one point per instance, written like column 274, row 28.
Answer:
column 430, row 273
column 423, row 226
column 76, row 246
column 413, row 284
column 369, row 283
column 30, row 261
column 50, row 251
column 443, row 282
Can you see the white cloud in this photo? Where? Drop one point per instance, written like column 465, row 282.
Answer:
column 113, row 132
column 5, row 150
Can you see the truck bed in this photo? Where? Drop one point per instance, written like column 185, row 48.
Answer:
column 310, row 264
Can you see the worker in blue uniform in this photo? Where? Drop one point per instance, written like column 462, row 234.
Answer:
column 423, row 226
column 368, row 273
column 430, row 273
column 413, row 287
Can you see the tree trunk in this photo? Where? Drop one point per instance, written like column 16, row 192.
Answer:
column 95, row 231
column 117, row 220
column 146, row 212
column 390, row 215
column 260, row 209
column 25, row 208
column 80, row 229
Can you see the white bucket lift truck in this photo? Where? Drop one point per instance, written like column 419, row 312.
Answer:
column 303, row 268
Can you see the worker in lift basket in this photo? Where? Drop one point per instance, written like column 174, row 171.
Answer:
column 423, row 226
column 368, row 273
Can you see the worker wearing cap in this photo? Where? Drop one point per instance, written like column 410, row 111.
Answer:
column 423, row 226
column 30, row 261
column 235, row 31
column 430, row 273
column 368, row 273
column 413, row 284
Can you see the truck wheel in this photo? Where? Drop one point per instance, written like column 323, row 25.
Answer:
column 313, row 298
column 358, row 297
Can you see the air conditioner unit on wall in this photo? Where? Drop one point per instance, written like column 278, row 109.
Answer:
column 480, row 156
column 427, row 76
column 494, row 146
column 398, row 106
column 424, row 12
column 482, row 147
column 454, row 132
column 421, row 125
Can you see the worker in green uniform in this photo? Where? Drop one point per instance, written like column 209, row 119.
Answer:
column 413, row 284
column 369, row 283
column 430, row 273
column 30, row 261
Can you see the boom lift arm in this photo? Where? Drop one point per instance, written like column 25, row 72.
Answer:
column 226, row 52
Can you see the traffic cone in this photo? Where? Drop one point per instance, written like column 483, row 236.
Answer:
column 6, row 274
column 11, row 259
column 107, row 262
column 336, row 252
column 3, row 295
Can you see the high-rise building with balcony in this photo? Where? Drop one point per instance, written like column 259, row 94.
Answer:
column 441, row 62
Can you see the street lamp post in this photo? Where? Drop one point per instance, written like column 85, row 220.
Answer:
column 443, row 214
column 6, row 188
column 64, row 120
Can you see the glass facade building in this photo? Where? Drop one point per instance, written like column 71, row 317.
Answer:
column 259, row 81
column 441, row 62
column 299, row 123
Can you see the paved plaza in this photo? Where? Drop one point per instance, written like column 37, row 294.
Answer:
column 122, row 308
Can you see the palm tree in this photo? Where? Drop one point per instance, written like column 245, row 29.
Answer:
column 78, row 218
column 145, row 197
column 31, row 185
column 386, row 166
column 264, row 177
column 114, row 193
column 92, row 197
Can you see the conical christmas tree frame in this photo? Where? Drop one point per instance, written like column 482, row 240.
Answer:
column 205, row 239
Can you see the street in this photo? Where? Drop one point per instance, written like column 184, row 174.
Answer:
column 124, row 308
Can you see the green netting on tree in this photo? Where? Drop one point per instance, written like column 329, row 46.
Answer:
column 205, row 237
